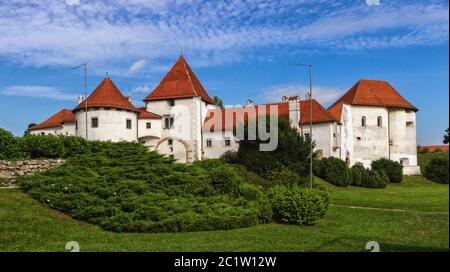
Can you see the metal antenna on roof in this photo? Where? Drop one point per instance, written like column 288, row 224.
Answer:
column 84, row 65
column 310, row 120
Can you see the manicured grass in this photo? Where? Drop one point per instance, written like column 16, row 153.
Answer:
column 424, row 159
column 26, row 225
column 414, row 193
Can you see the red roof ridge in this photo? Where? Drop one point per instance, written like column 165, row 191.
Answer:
column 56, row 120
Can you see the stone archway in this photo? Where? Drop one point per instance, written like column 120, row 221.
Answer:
column 176, row 148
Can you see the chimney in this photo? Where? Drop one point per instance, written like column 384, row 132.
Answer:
column 294, row 111
column 249, row 102
column 284, row 98
column 129, row 99
column 80, row 99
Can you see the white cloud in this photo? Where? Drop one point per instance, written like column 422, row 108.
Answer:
column 39, row 92
column 324, row 94
column 141, row 89
column 109, row 34
column 137, row 66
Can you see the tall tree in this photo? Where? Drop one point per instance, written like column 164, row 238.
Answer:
column 446, row 137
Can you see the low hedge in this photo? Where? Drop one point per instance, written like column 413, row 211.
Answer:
column 392, row 169
column 298, row 205
column 437, row 170
column 368, row 178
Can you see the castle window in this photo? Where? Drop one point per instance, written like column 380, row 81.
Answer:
column 171, row 102
column 379, row 121
column 148, row 125
column 358, row 138
column 128, row 123
column 170, row 142
column 208, row 143
column 168, row 121
column 94, row 122
column 227, row 142
column 409, row 124
column 363, row 121
column 76, row 124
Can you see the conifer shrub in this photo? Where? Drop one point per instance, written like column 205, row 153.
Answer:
column 437, row 170
column 123, row 187
column 392, row 169
column 333, row 170
column 298, row 205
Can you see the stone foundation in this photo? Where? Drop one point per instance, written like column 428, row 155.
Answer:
column 10, row 170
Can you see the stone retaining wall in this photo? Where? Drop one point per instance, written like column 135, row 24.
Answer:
column 10, row 170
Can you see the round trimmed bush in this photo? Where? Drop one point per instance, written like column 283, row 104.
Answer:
column 298, row 205
column 359, row 172
column 437, row 170
column 393, row 170
column 374, row 179
column 334, row 170
column 281, row 175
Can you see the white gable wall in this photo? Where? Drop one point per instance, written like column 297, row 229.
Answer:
column 67, row 129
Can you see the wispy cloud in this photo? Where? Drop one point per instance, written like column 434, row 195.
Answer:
column 110, row 33
column 136, row 67
column 324, row 94
column 33, row 91
column 141, row 89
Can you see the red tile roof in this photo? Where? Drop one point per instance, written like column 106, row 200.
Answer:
column 144, row 114
column 228, row 115
column 179, row 82
column 371, row 93
column 57, row 120
column 107, row 95
column 434, row 147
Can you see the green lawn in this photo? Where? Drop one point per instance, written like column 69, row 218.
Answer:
column 26, row 225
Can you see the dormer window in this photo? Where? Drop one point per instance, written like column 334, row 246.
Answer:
column 363, row 121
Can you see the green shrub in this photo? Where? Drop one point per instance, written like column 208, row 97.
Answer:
column 42, row 146
column 374, row 179
column 9, row 148
column 292, row 151
column 423, row 150
column 333, row 170
column 298, row 205
column 281, row 175
column 123, row 187
column 359, row 173
column 225, row 179
column 437, row 170
column 229, row 156
column 74, row 145
column 393, row 170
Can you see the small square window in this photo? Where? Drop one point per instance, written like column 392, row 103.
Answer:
column 170, row 142
column 227, row 142
column 358, row 138
column 128, row 123
column 208, row 143
column 148, row 125
column 171, row 102
column 94, row 122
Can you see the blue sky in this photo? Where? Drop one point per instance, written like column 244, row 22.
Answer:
column 238, row 49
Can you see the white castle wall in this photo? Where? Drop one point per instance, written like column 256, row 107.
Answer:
column 218, row 147
column 67, row 129
column 111, row 125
